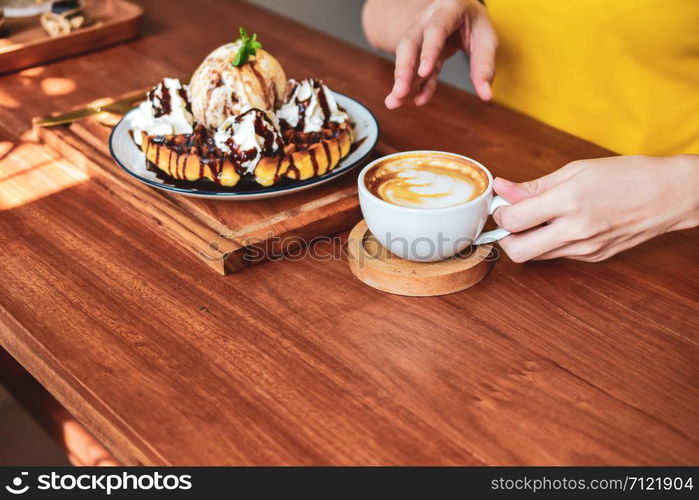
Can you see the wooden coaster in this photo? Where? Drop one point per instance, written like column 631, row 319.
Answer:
column 378, row 268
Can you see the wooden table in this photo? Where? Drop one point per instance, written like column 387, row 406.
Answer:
column 295, row 361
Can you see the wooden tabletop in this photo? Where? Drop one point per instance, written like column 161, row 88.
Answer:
column 297, row 362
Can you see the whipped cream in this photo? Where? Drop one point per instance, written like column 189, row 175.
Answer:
column 249, row 136
column 164, row 112
column 310, row 107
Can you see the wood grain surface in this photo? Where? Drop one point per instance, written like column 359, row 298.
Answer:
column 296, row 361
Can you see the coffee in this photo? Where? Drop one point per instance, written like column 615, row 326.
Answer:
column 426, row 180
column 428, row 205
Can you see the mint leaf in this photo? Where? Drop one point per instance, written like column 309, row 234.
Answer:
column 248, row 47
column 238, row 59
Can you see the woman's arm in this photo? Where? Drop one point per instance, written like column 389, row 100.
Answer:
column 592, row 209
column 423, row 34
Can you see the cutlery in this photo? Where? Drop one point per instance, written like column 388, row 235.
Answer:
column 109, row 105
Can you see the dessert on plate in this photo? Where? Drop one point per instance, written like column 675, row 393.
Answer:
column 239, row 118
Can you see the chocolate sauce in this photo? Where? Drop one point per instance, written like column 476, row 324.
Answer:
column 165, row 99
column 267, row 135
column 277, row 168
column 183, row 94
column 293, row 167
column 240, row 157
column 272, row 142
column 314, row 162
column 269, row 99
column 205, row 185
column 326, row 148
column 294, row 136
column 322, row 99
column 302, row 114
column 200, row 142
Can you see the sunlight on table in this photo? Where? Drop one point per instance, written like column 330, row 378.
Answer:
column 23, row 181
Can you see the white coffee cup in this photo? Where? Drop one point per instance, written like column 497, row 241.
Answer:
column 430, row 234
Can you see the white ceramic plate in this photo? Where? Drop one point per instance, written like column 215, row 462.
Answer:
column 130, row 157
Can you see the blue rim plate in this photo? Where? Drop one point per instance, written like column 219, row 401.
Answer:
column 132, row 160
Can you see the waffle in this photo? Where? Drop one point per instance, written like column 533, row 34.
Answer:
column 306, row 155
column 190, row 157
column 193, row 157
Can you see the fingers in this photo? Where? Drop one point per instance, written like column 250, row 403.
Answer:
column 581, row 250
column 511, row 191
column 427, row 90
column 435, row 37
column 596, row 249
column 428, row 87
column 483, row 45
column 427, row 41
column 442, row 24
column 531, row 212
column 514, row 192
column 406, row 61
column 532, row 244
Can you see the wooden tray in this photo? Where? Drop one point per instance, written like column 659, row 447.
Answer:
column 111, row 21
column 226, row 235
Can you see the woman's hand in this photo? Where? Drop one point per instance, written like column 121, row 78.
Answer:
column 442, row 28
column 592, row 209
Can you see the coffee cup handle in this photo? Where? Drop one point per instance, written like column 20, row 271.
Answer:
column 495, row 234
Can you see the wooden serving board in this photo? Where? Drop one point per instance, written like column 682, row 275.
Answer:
column 226, row 235
column 110, row 22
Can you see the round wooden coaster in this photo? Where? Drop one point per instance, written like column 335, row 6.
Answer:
column 378, row 268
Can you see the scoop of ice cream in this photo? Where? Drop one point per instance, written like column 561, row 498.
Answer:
column 164, row 112
column 310, row 106
column 218, row 89
column 247, row 137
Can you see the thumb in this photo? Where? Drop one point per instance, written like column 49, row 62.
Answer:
column 509, row 190
column 514, row 191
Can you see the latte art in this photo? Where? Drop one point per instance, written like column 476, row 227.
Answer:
column 426, row 181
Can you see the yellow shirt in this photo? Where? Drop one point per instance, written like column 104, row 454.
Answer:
column 620, row 73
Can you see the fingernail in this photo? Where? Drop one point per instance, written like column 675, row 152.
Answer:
column 423, row 67
column 486, row 91
column 504, row 182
